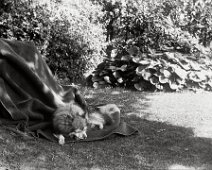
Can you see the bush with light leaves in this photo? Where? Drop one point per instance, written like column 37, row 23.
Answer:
column 67, row 33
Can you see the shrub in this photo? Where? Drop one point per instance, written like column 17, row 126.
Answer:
column 23, row 22
column 151, row 49
column 168, row 71
column 77, row 39
column 67, row 34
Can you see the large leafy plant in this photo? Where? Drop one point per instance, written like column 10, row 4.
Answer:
column 168, row 71
column 151, row 49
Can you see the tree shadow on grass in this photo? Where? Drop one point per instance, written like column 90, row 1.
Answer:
column 164, row 145
column 158, row 145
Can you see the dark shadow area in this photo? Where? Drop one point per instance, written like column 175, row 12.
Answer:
column 163, row 145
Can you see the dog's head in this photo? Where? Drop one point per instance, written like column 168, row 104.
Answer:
column 71, row 116
column 80, row 121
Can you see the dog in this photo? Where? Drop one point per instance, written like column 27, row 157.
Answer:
column 70, row 118
column 69, row 121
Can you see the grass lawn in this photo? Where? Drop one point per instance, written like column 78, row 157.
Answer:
column 175, row 133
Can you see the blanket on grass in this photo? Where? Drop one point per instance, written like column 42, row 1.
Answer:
column 29, row 94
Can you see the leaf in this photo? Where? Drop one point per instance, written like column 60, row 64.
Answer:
column 139, row 86
column 116, row 74
column 146, row 74
column 170, row 55
column 133, row 50
column 165, row 72
column 113, row 68
column 202, row 75
column 169, row 22
column 184, row 65
column 173, row 85
column 151, row 51
column 123, row 67
column 145, row 62
column 139, row 69
column 120, row 80
column 203, row 85
column 198, row 76
column 209, row 83
column 154, row 80
column 175, row 78
column 95, row 85
column 136, row 59
column 163, row 79
column 126, row 58
column 107, row 79
column 180, row 72
column 195, row 66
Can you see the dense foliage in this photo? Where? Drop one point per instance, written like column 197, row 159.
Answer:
column 67, row 34
column 149, row 44
column 18, row 21
column 162, row 45
column 77, row 40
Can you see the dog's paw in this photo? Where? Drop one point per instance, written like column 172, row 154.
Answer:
column 61, row 139
column 81, row 135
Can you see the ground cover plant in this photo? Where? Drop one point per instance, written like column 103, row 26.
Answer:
column 172, row 135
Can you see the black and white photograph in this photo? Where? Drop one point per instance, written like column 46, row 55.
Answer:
column 105, row 84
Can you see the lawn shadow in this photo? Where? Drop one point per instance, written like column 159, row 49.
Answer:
column 165, row 146
column 158, row 145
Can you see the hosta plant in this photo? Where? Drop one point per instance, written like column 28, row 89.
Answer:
column 168, row 71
